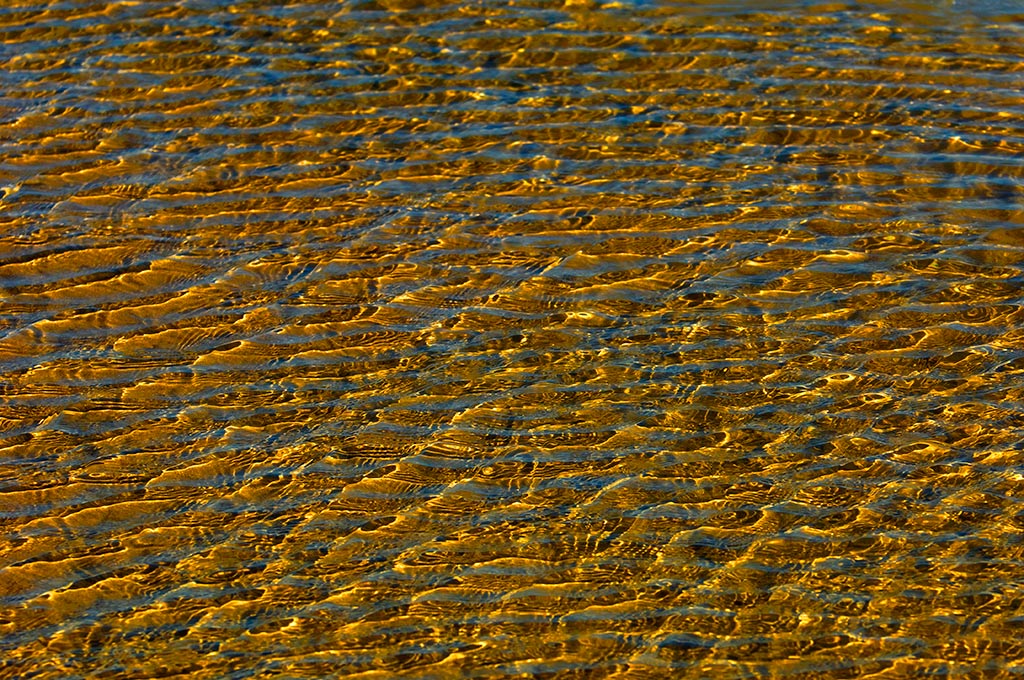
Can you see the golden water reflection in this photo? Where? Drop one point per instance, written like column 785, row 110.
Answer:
column 417, row 339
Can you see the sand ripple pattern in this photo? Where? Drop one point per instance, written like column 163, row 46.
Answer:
column 482, row 339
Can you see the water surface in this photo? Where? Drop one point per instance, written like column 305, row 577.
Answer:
column 483, row 339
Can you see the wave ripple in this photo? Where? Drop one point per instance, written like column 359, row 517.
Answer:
column 511, row 338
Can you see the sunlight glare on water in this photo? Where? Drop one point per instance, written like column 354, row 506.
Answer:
column 500, row 338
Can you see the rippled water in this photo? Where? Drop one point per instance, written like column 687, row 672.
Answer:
column 634, row 339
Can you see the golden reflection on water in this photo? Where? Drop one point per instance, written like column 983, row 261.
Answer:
column 423, row 339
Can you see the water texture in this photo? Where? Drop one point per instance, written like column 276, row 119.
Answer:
column 511, row 338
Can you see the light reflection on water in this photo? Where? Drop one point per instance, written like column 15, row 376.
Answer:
column 425, row 339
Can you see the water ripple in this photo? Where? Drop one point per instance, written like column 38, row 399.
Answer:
column 594, row 339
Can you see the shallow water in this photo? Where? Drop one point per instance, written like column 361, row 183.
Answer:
column 649, row 339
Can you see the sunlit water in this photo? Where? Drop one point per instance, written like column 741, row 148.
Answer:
column 478, row 339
